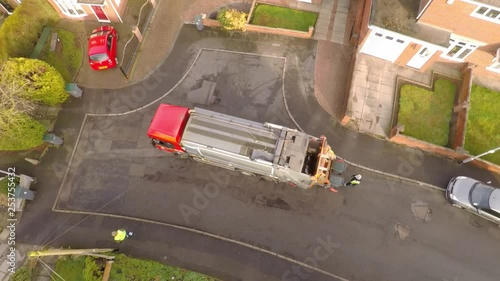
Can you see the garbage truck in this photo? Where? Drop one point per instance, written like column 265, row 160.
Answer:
column 273, row 152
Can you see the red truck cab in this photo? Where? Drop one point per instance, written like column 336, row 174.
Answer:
column 167, row 127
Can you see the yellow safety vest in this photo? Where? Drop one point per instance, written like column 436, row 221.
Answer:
column 120, row 235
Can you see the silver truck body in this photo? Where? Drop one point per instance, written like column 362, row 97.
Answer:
column 262, row 149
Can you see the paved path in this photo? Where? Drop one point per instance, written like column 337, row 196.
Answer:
column 373, row 91
column 332, row 21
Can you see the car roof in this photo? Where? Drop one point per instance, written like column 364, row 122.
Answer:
column 97, row 45
column 495, row 200
column 480, row 195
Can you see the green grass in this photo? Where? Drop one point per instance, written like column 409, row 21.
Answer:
column 67, row 56
column 71, row 268
column 26, row 135
column 280, row 17
column 483, row 124
column 4, row 184
column 125, row 269
column 425, row 114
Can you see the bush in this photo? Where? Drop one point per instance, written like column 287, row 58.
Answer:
column 232, row 19
column 24, row 273
column 40, row 82
column 19, row 32
column 91, row 271
column 26, row 134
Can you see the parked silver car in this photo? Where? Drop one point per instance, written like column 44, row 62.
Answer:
column 475, row 196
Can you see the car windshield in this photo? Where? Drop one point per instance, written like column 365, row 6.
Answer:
column 98, row 33
column 480, row 195
column 99, row 57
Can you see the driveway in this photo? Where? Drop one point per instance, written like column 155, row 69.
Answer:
column 383, row 230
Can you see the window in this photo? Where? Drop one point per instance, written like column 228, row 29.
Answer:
column 491, row 212
column 495, row 67
column 486, row 13
column 481, row 10
column 459, row 50
column 70, row 9
column 109, row 41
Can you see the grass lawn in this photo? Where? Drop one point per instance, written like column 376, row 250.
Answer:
column 425, row 114
column 483, row 124
column 19, row 32
column 67, row 56
column 124, row 269
column 274, row 16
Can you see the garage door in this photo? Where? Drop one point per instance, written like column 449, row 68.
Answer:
column 384, row 46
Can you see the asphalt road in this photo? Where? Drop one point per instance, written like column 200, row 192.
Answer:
column 383, row 230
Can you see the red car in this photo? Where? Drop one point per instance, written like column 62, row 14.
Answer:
column 102, row 48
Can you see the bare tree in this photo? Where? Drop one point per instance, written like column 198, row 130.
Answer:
column 12, row 105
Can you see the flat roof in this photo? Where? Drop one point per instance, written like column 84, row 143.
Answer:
column 400, row 16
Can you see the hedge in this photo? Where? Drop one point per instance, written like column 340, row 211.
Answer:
column 27, row 134
column 19, row 32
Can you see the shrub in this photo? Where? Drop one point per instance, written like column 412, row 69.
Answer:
column 22, row 274
column 40, row 82
column 26, row 134
column 91, row 271
column 19, row 32
column 232, row 19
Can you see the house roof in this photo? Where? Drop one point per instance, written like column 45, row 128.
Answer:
column 400, row 16
column 495, row 3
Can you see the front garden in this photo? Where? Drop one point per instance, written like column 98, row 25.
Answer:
column 281, row 17
column 483, row 123
column 123, row 269
column 426, row 114
column 67, row 56
column 26, row 84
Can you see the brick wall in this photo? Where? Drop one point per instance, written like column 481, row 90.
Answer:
column 264, row 29
column 460, row 125
column 408, row 141
column 206, row 7
column 360, row 29
column 108, row 10
column 457, row 19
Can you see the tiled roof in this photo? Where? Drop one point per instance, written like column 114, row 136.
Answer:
column 495, row 3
